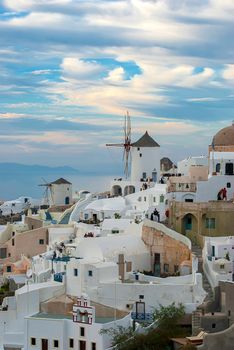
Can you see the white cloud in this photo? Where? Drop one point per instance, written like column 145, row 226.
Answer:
column 116, row 75
column 228, row 72
column 203, row 99
column 75, row 68
column 11, row 115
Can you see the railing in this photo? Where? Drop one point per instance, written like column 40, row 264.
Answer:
column 136, row 316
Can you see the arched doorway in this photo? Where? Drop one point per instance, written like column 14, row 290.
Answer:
column 116, row 191
column 189, row 223
column 67, row 200
column 129, row 190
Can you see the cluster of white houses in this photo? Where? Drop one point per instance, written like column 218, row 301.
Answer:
column 103, row 262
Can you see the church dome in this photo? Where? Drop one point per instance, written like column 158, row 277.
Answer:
column 224, row 137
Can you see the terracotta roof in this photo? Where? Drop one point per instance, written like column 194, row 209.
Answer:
column 61, row 181
column 225, row 137
column 145, row 141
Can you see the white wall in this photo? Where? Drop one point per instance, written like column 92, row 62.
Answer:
column 148, row 162
column 59, row 192
column 64, row 329
column 185, row 164
column 121, row 294
column 208, row 190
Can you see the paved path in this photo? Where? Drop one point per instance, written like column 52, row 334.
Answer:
column 206, row 285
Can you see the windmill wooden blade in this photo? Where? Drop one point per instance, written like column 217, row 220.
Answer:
column 114, row 144
column 126, row 144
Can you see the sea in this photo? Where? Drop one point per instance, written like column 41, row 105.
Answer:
column 13, row 187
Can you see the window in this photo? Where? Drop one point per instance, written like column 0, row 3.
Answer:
column 82, row 331
column 9, row 268
column 41, row 241
column 140, row 154
column 93, row 346
column 139, row 199
column 217, row 168
column 144, row 175
column 13, row 233
column 166, row 267
column 213, row 325
column 115, row 231
column 138, row 148
column 75, row 272
column 154, row 199
column 221, row 266
column 189, row 200
column 229, row 169
column 161, row 198
column 13, row 241
column 71, row 343
column 228, row 184
column 141, row 296
column 145, row 199
column 176, row 268
column 56, row 343
column 33, row 341
column 90, row 273
column 86, row 216
column 3, row 253
column 210, row 223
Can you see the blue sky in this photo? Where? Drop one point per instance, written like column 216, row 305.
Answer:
column 70, row 69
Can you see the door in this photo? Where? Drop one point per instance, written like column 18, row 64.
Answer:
column 82, row 345
column 67, row 200
column 140, row 310
column 157, row 265
column 188, row 223
column 44, row 344
column 229, row 168
column 154, row 176
column 213, row 250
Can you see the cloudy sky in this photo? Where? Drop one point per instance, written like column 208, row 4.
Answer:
column 69, row 69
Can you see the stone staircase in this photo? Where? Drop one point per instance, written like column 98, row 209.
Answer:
column 196, row 315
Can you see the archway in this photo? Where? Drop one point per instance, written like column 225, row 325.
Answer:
column 116, row 190
column 188, row 197
column 189, row 223
column 129, row 190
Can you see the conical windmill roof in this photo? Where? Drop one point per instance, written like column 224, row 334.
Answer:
column 145, row 141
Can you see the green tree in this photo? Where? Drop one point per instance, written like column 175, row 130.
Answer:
column 158, row 338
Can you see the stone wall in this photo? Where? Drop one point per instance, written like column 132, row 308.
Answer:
column 172, row 252
column 33, row 223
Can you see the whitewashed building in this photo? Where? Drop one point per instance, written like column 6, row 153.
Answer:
column 145, row 167
column 218, row 259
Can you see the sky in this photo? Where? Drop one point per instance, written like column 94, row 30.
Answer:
column 69, row 70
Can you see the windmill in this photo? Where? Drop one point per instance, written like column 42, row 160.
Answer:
column 126, row 144
column 47, row 193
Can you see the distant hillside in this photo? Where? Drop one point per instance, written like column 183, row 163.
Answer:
column 34, row 169
column 19, row 179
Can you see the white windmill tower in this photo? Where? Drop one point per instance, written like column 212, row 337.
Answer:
column 144, row 156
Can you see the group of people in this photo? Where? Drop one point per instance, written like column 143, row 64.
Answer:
column 222, row 194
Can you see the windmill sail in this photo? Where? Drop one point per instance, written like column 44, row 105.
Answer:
column 126, row 144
